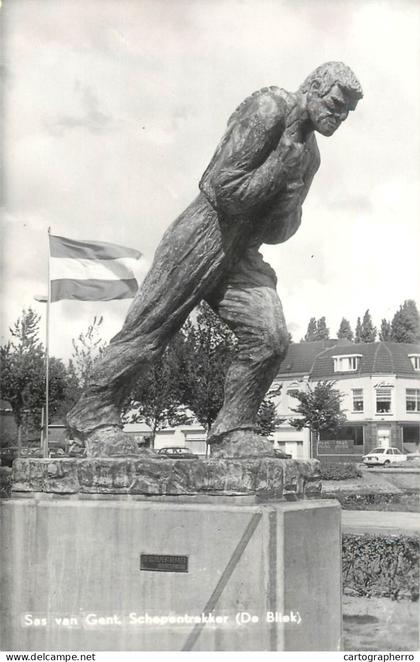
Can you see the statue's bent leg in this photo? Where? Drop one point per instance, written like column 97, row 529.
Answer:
column 122, row 362
column 248, row 302
column 189, row 258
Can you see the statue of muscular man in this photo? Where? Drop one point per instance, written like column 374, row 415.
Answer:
column 251, row 193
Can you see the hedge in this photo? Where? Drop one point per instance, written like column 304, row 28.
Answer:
column 339, row 471
column 383, row 502
column 5, row 482
column 381, row 566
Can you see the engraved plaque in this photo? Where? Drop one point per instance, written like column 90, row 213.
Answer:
column 163, row 563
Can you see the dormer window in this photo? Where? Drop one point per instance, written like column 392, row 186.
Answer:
column 346, row 363
column 415, row 361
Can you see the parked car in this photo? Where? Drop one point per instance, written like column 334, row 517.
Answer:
column 281, row 454
column 177, row 453
column 58, row 452
column 384, row 456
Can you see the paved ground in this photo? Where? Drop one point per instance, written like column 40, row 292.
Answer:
column 405, row 468
column 371, row 482
column 374, row 521
column 380, row 624
column 376, row 481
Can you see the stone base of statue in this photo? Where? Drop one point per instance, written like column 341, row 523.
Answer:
column 142, row 574
column 243, row 465
column 151, row 475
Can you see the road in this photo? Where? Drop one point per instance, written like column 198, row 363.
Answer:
column 373, row 521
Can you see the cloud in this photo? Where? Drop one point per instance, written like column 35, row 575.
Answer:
column 91, row 117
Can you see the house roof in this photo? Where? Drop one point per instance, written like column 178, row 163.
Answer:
column 301, row 356
column 137, row 427
column 316, row 358
column 376, row 358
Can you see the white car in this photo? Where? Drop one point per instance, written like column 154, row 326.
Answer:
column 383, row 456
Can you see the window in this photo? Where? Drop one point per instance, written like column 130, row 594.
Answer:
column 412, row 399
column 349, row 363
column 291, row 397
column 415, row 361
column 411, row 438
column 351, row 434
column 383, row 400
column 357, row 399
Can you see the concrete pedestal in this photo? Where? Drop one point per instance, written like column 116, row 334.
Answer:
column 133, row 574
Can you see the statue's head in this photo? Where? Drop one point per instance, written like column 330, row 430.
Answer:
column 331, row 92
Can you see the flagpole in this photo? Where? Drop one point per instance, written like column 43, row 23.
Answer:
column 47, row 356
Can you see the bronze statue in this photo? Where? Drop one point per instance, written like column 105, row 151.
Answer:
column 251, row 193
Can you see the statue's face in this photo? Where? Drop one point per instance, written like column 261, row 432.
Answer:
column 328, row 112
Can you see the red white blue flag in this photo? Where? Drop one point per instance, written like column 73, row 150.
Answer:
column 91, row 270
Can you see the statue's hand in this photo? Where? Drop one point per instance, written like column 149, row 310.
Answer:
column 291, row 153
column 291, row 197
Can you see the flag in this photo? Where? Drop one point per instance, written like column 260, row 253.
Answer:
column 91, row 270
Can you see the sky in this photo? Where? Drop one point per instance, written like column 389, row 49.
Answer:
column 113, row 109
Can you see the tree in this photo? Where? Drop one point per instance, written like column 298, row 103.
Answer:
column 267, row 418
column 205, row 354
column 322, row 331
column 385, row 332
column 190, row 377
column 345, row 330
column 368, row 331
column 405, row 326
column 317, row 330
column 58, row 387
column 156, row 396
column 311, row 331
column 319, row 408
column 87, row 349
column 358, row 332
column 22, row 374
column 22, row 370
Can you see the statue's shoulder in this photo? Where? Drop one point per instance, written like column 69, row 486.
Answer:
column 268, row 103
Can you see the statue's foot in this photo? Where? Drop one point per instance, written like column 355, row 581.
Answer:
column 111, row 441
column 244, row 443
column 93, row 417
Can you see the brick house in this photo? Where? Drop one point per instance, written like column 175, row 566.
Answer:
column 380, row 384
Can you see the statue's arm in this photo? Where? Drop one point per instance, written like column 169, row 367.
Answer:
column 296, row 191
column 252, row 164
column 285, row 216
